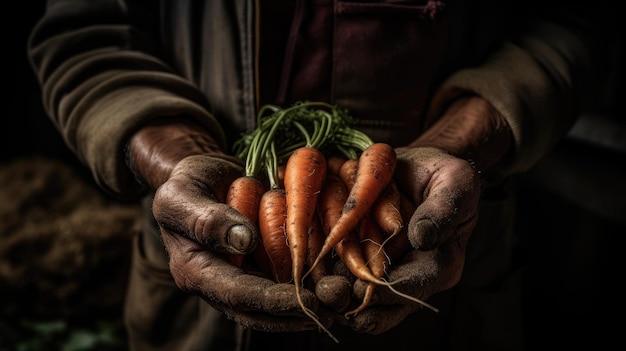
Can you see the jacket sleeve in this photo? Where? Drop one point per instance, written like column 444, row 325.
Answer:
column 101, row 81
column 540, row 80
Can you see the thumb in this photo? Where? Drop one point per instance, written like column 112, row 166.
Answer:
column 187, row 204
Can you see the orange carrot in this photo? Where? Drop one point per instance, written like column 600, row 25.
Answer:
column 330, row 203
column 348, row 172
column 371, row 237
column 280, row 173
column 399, row 245
column 376, row 166
column 372, row 260
column 244, row 195
column 272, row 216
column 305, row 173
column 334, row 164
column 316, row 240
column 386, row 210
column 350, row 251
column 330, row 206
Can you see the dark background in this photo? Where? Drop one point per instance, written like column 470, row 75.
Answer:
column 572, row 213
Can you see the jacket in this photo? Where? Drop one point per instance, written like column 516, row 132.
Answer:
column 108, row 67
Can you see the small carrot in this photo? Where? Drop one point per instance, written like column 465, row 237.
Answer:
column 369, row 227
column 334, row 164
column 244, row 195
column 272, row 216
column 330, row 203
column 375, row 169
column 399, row 245
column 348, row 172
column 350, row 251
column 305, row 173
column 371, row 238
column 280, row 175
column 386, row 210
column 316, row 240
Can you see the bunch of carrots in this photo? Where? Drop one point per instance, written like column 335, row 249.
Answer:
column 313, row 185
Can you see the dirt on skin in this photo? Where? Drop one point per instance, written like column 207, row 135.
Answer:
column 64, row 245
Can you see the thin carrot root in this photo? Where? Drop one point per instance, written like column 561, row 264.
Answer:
column 367, row 297
column 312, row 314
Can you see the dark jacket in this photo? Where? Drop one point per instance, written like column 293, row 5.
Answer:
column 107, row 67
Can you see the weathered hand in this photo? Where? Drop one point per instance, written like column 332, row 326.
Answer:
column 199, row 230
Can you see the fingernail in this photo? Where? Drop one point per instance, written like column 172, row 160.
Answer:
column 239, row 237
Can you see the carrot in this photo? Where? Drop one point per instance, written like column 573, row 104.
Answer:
column 272, row 216
column 330, row 206
column 399, row 245
column 280, row 175
column 348, row 172
column 316, row 240
column 371, row 237
column 351, row 253
column 386, row 210
column 375, row 169
column 330, row 203
column 305, row 173
column 244, row 195
column 334, row 164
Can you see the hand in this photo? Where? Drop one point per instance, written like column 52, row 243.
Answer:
column 446, row 190
column 191, row 177
column 197, row 230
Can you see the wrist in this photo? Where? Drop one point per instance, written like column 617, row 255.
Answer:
column 155, row 149
column 471, row 129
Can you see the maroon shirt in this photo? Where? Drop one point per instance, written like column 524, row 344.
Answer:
column 312, row 51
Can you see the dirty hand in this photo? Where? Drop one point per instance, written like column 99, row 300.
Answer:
column 199, row 231
column 445, row 190
column 434, row 172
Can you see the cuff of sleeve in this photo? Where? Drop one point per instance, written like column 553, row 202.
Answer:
column 518, row 87
column 119, row 112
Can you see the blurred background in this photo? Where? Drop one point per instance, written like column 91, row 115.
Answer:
column 64, row 245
